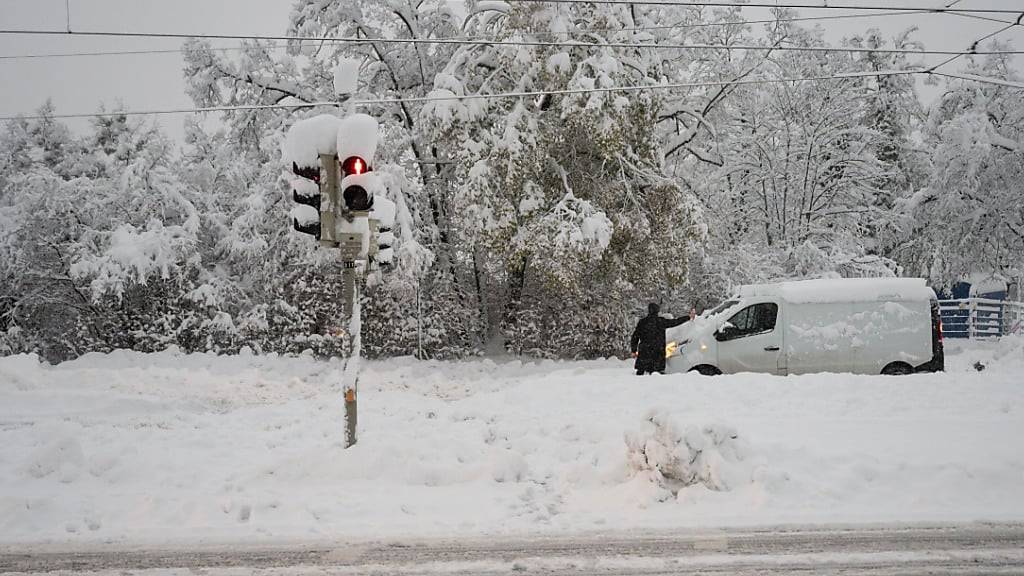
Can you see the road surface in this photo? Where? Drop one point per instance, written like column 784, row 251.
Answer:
column 880, row 550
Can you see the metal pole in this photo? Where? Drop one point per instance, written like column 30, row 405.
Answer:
column 971, row 313
column 329, row 199
column 419, row 327
column 351, row 377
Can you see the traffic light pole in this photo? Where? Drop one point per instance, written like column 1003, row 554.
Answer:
column 350, row 246
column 350, row 379
column 342, row 217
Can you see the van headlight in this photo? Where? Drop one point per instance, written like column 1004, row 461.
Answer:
column 675, row 348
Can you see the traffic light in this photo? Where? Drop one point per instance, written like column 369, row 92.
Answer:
column 357, row 145
column 382, row 225
column 306, row 194
column 354, row 172
column 309, row 151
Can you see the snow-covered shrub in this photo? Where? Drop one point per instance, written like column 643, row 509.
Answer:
column 674, row 456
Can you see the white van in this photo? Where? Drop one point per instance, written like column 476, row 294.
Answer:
column 857, row 325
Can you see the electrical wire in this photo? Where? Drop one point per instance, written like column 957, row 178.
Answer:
column 534, row 43
column 109, row 53
column 721, row 4
column 981, row 79
column 523, row 94
column 542, row 33
column 976, row 42
column 462, row 41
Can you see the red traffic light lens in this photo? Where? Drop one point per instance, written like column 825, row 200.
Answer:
column 354, row 165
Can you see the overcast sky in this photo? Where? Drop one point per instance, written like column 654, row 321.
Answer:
column 153, row 81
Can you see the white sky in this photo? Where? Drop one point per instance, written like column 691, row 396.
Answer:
column 82, row 84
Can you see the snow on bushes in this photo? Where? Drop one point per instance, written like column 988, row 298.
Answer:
column 674, row 457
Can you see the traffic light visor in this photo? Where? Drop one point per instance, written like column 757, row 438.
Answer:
column 307, row 172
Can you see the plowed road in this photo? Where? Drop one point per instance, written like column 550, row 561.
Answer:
column 879, row 550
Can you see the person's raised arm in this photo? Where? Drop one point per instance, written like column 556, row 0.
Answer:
column 674, row 322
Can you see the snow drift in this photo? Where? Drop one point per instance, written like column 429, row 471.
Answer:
column 173, row 448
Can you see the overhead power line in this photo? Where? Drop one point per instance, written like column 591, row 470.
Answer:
column 531, row 93
column 535, row 43
column 975, row 44
column 982, row 79
column 524, row 94
column 721, row 4
column 578, row 31
column 106, row 53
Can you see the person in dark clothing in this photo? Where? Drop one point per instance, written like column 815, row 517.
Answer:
column 648, row 341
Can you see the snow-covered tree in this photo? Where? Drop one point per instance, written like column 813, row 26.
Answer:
column 560, row 196
column 970, row 215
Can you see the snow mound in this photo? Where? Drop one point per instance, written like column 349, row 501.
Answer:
column 19, row 372
column 357, row 136
column 309, row 138
column 1004, row 355
column 674, row 457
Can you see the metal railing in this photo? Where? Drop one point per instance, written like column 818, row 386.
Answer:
column 981, row 318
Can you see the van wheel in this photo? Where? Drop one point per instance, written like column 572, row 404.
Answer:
column 897, row 369
column 706, row 370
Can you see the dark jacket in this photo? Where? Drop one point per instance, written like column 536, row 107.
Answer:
column 649, row 342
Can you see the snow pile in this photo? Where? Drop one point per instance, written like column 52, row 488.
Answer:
column 1005, row 355
column 357, row 136
column 674, row 457
column 308, row 139
column 1010, row 349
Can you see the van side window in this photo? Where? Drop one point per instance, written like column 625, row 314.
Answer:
column 755, row 319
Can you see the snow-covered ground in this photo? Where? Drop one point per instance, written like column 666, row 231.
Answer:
column 165, row 448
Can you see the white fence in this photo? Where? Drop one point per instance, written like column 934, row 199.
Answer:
column 981, row 318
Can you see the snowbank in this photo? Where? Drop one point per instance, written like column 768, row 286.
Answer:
column 164, row 448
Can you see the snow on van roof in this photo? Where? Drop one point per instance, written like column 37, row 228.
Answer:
column 843, row 290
